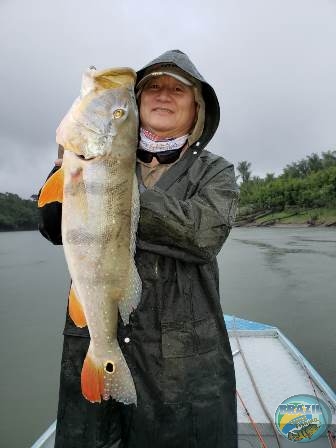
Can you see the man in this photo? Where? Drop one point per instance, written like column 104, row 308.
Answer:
column 176, row 344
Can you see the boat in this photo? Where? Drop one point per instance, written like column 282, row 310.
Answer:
column 269, row 369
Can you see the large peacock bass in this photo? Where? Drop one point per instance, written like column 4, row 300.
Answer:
column 98, row 188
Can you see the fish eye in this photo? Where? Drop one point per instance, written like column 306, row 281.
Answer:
column 118, row 113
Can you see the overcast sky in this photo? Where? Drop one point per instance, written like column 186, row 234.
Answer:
column 271, row 62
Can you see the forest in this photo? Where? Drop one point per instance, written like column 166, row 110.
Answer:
column 17, row 213
column 304, row 193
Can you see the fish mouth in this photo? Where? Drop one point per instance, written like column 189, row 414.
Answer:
column 86, row 159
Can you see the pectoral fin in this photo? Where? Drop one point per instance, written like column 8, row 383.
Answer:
column 52, row 190
column 76, row 311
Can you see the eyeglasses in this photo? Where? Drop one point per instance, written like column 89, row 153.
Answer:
column 163, row 157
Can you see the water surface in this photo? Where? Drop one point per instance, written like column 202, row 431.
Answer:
column 284, row 277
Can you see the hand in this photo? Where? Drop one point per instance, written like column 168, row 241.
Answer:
column 58, row 162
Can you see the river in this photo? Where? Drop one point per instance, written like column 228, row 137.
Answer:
column 280, row 276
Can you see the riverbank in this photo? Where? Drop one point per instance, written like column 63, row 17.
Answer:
column 17, row 214
column 317, row 217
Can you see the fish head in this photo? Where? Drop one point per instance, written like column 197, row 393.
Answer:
column 103, row 117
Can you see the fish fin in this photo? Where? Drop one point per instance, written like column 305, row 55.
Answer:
column 107, row 376
column 52, row 190
column 92, row 379
column 76, row 311
column 133, row 293
column 135, row 214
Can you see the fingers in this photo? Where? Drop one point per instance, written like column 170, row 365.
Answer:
column 58, row 162
column 60, row 151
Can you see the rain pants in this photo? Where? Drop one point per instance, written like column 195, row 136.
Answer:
column 176, row 344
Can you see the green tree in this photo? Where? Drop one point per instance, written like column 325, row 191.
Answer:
column 269, row 177
column 243, row 168
column 17, row 213
column 328, row 159
column 314, row 162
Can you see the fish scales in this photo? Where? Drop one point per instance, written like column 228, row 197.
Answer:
column 99, row 220
column 108, row 224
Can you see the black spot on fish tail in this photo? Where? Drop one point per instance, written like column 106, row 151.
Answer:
column 109, row 367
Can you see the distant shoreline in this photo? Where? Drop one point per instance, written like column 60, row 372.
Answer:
column 236, row 226
column 18, row 230
column 300, row 218
column 306, row 218
column 287, row 226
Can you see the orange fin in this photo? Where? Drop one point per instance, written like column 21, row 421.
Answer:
column 52, row 190
column 76, row 310
column 92, row 380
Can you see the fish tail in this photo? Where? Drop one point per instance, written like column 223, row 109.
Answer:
column 107, row 376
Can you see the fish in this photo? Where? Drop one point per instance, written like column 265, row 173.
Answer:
column 303, row 433
column 98, row 188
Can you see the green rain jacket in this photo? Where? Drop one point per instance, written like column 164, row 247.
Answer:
column 176, row 344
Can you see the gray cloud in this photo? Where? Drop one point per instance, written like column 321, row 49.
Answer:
column 271, row 62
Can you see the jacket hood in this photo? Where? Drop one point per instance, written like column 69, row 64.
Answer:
column 181, row 60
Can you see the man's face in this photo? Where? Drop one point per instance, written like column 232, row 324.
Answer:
column 167, row 107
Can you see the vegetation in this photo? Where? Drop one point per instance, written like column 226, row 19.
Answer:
column 243, row 168
column 304, row 193
column 17, row 213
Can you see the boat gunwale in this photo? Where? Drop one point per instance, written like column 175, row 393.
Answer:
column 47, row 436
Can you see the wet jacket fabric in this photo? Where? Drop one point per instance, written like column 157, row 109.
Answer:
column 176, row 344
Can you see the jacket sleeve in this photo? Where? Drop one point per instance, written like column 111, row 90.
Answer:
column 50, row 218
column 193, row 230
